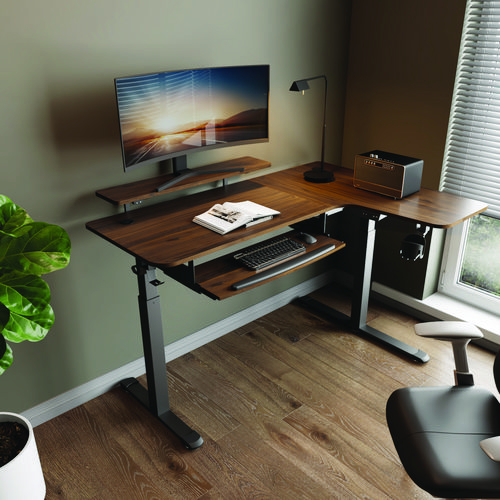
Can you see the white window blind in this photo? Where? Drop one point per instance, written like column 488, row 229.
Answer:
column 472, row 158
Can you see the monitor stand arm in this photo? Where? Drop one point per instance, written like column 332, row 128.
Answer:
column 181, row 172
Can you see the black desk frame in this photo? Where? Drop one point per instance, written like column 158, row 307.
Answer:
column 155, row 397
column 361, row 294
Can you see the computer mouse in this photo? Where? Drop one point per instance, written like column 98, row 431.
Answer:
column 307, row 238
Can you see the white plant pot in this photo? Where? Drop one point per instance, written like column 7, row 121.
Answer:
column 22, row 478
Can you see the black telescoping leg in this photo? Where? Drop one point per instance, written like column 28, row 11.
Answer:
column 155, row 397
column 361, row 294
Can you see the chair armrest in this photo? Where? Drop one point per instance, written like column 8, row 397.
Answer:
column 448, row 330
column 491, row 447
column 459, row 333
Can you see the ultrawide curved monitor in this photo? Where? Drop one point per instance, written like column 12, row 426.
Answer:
column 169, row 114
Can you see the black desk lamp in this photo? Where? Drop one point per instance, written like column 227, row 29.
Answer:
column 316, row 174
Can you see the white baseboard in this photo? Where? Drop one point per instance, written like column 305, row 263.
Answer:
column 90, row 390
column 442, row 307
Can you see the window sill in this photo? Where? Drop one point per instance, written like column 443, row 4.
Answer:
column 443, row 307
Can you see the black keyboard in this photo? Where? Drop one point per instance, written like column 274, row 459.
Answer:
column 288, row 265
column 269, row 252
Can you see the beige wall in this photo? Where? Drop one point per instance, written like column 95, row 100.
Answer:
column 59, row 143
column 402, row 65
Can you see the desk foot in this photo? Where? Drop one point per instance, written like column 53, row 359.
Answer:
column 364, row 330
column 189, row 438
column 405, row 349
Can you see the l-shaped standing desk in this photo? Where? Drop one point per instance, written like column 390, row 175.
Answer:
column 163, row 237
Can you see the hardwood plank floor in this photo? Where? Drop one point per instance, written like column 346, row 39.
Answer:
column 290, row 407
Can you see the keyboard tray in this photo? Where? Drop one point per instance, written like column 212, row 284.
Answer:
column 216, row 277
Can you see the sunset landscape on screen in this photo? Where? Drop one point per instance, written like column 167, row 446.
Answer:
column 164, row 114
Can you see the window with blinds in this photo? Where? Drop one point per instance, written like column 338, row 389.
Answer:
column 472, row 157
column 471, row 168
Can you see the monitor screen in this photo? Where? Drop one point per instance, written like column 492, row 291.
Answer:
column 168, row 114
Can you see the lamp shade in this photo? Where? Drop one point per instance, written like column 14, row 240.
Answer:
column 299, row 86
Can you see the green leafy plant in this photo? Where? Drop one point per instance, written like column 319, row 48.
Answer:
column 28, row 250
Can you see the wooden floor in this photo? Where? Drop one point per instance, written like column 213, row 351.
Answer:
column 290, row 407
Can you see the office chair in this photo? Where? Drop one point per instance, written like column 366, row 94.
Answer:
column 448, row 438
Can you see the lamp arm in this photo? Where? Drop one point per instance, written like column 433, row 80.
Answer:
column 316, row 175
column 324, row 127
column 323, row 140
column 324, row 116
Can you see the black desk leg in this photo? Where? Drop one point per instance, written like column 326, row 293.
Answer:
column 361, row 295
column 155, row 397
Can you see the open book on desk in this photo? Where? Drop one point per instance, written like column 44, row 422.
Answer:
column 228, row 216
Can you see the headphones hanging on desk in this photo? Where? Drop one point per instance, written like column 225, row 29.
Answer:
column 413, row 246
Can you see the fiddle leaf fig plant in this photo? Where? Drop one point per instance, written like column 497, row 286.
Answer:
column 28, row 250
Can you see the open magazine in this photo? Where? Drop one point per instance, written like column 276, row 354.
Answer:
column 228, row 216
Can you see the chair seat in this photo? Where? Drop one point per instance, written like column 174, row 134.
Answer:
column 436, row 432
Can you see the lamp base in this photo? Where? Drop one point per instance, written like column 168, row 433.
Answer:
column 318, row 175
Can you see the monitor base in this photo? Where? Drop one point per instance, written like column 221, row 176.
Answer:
column 181, row 172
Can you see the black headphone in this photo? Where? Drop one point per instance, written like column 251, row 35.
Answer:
column 413, row 246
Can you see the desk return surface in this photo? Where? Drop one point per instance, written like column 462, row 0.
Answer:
column 434, row 208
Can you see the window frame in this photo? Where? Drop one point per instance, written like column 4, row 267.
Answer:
column 449, row 284
column 472, row 143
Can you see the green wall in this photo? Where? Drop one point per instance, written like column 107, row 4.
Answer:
column 60, row 144
column 391, row 74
